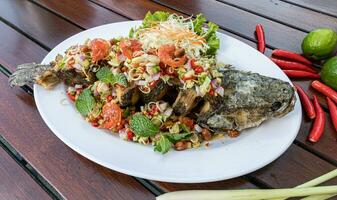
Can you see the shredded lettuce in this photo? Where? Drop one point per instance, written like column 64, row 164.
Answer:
column 198, row 22
column 152, row 19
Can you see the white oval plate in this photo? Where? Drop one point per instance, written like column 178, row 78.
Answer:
column 224, row 159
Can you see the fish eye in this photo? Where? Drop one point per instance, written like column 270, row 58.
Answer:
column 276, row 105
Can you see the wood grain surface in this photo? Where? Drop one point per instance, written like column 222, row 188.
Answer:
column 15, row 183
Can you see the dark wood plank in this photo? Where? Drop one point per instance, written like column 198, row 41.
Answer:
column 236, row 183
column 73, row 176
column 294, row 167
column 326, row 6
column 36, row 21
column 326, row 147
column 135, row 9
column 240, row 22
column 15, row 183
column 87, row 14
column 287, row 13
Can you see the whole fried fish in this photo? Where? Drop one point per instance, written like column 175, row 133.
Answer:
column 248, row 100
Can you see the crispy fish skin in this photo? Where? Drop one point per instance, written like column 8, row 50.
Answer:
column 249, row 99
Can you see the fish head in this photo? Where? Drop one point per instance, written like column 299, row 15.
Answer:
column 282, row 99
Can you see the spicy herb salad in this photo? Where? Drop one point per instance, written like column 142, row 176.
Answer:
column 128, row 85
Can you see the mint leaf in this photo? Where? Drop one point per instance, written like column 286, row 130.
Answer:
column 85, row 102
column 163, row 145
column 143, row 126
column 105, row 75
column 121, row 80
column 177, row 136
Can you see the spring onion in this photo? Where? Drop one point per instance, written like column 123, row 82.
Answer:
column 248, row 194
column 306, row 189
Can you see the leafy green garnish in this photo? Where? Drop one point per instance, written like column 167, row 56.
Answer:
column 131, row 33
column 198, row 22
column 142, row 126
column 105, row 75
column 152, row 19
column 177, row 136
column 85, row 102
column 121, row 79
column 211, row 38
column 163, row 145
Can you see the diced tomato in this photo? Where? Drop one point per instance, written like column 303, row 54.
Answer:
column 71, row 97
column 94, row 124
column 153, row 83
column 129, row 46
column 100, row 49
column 211, row 92
column 112, row 115
column 198, row 69
column 130, row 135
column 109, row 98
column 193, row 64
column 188, row 78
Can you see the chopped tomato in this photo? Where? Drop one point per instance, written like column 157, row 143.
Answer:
column 193, row 64
column 109, row 98
column 112, row 115
column 100, row 49
column 211, row 92
column 187, row 121
column 71, row 97
column 188, row 78
column 130, row 46
column 198, row 69
column 130, row 135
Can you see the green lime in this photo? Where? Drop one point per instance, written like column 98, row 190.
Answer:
column 329, row 72
column 319, row 43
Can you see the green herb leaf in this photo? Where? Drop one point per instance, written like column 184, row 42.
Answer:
column 143, row 126
column 163, row 145
column 121, row 80
column 211, row 38
column 85, row 102
column 177, row 136
column 198, row 22
column 105, row 74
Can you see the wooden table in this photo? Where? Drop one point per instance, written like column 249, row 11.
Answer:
column 35, row 164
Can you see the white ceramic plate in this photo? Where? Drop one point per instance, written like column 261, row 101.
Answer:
column 224, row 159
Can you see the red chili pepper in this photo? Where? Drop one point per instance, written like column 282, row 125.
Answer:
column 94, row 124
column 211, row 92
column 324, row 89
column 109, row 98
column 333, row 111
column 317, row 129
column 261, row 42
column 153, row 83
column 71, row 97
column 291, row 56
column 188, row 78
column 301, row 74
column 130, row 135
column 306, row 102
column 198, row 70
column 289, row 65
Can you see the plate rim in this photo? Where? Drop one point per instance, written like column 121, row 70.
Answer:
column 136, row 173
